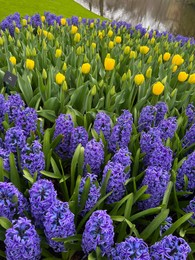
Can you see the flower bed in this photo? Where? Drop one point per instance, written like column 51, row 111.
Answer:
column 97, row 141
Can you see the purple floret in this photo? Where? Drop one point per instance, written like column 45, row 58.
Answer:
column 161, row 156
column 103, row 123
column 170, row 247
column 121, row 132
column 79, row 135
column 188, row 169
column 93, row 195
column 42, row 196
column 161, row 111
column 33, row 158
column 94, row 155
column 131, row 248
column 168, row 127
column 166, row 225
column 2, row 110
column 12, row 202
column 4, row 154
column 157, row 180
column 147, row 118
column 98, row 232
column 15, row 139
column 190, row 113
column 123, row 156
column 64, row 126
column 189, row 137
column 27, row 120
column 59, row 222
column 22, row 241
column 36, row 20
column 116, row 182
column 191, row 208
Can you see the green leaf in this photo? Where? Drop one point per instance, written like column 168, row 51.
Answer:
column 28, row 176
column 74, row 164
column 55, row 168
column 68, row 239
column 167, row 194
column 14, row 175
column 5, row 223
column 48, row 114
column 140, row 192
column 84, row 195
column 25, row 88
column 154, row 224
column 144, row 213
column 178, row 223
column 1, row 170
column 51, row 174
column 56, row 141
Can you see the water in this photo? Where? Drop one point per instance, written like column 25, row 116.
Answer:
column 165, row 15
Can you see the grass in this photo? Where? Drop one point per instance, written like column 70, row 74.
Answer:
column 67, row 8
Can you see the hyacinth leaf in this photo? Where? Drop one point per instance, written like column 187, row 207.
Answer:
column 167, row 194
column 46, row 145
column 118, row 204
column 144, row 213
column 132, row 227
column 84, row 195
column 28, row 176
column 139, row 193
column 177, row 224
column 2, row 254
column 82, row 222
column 136, row 163
column 73, row 202
column 154, row 224
column 1, row 170
column 25, row 87
column 56, row 141
column 74, row 164
column 104, row 185
column 81, row 161
column 53, row 104
column 55, row 168
column 14, row 175
column 35, row 101
column 5, row 223
column 78, row 98
column 48, row 114
column 68, row 239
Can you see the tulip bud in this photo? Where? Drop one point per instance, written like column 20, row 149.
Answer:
column 160, row 59
column 190, row 66
column 94, row 90
column 64, row 86
column 14, row 71
column 10, row 39
column 79, row 50
column 128, row 74
column 64, row 68
column 191, row 58
column 44, row 44
column 28, row 52
column 139, row 65
column 121, row 57
column 101, row 83
column 34, row 52
column 124, row 77
column 1, row 41
column 44, row 74
column 57, row 45
column 86, row 60
column 18, row 43
column 149, row 60
column 112, row 91
column 164, row 80
column 173, row 93
column 149, row 72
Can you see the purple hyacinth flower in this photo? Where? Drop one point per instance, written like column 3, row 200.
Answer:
column 103, row 123
column 121, row 132
column 59, row 222
column 116, row 182
column 27, row 120
column 161, row 111
column 94, row 155
column 161, row 156
column 4, row 154
column 150, row 140
column 64, row 126
column 93, row 195
column 42, row 196
column 166, row 225
column 98, row 232
column 189, row 137
column 190, row 113
column 170, row 247
column 168, row 127
column 13, row 105
column 157, row 180
column 123, row 156
column 22, row 241
column 33, row 158
column 15, row 139
column 12, row 202
column 191, row 208
column 131, row 248
column 188, row 169
column 79, row 135
column 2, row 110
column 147, row 118
column 36, row 20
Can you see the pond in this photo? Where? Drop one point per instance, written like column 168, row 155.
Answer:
column 174, row 16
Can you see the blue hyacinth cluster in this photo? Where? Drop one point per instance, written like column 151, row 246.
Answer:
column 94, row 155
column 98, row 232
column 166, row 225
column 93, row 195
column 59, row 222
column 116, row 182
column 13, row 105
column 33, row 158
column 2, row 110
column 147, row 118
column 12, row 202
column 64, row 126
column 189, row 137
column 22, row 241
column 27, row 120
column 121, row 132
column 51, row 19
column 42, row 196
column 10, row 22
column 188, row 169
column 170, row 247
column 168, row 127
column 15, row 139
column 4, row 154
column 131, row 248
column 190, row 113
column 79, row 135
column 157, row 180
column 161, row 112
column 36, row 20
column 191, row 208
column 103, row 123
column 161, row 156
column 123, row 156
